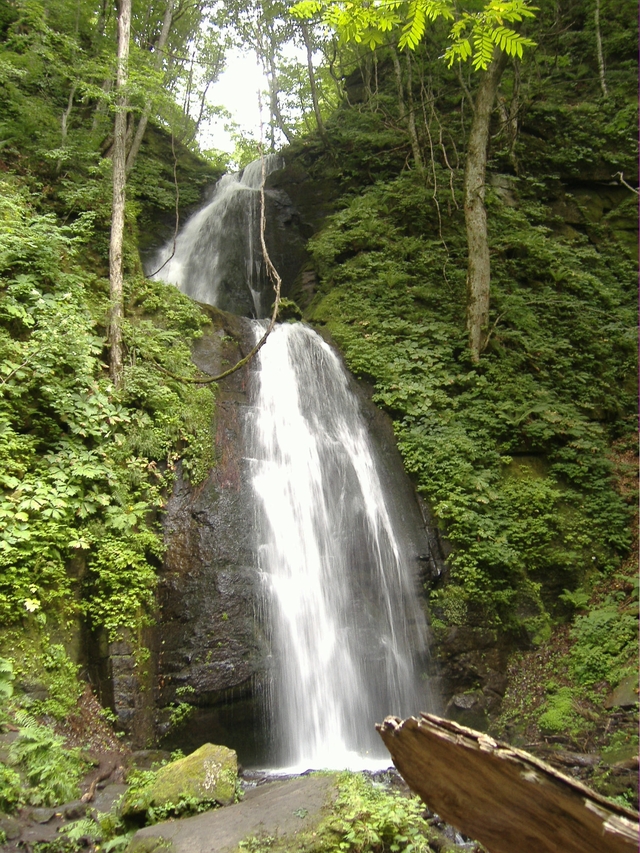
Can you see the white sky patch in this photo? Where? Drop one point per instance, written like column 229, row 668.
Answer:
column 237, row 91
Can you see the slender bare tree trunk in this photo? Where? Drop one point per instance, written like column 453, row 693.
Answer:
column 277, row 119
column 475, row 214
column 119, row 196
column 603, row 82
column 146, row 112
column 312, row 80
column 399, row 85
column 64, row 124
column 411, row 119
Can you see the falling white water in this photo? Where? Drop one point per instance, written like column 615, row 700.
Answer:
column 218, row 255
column 348, row 633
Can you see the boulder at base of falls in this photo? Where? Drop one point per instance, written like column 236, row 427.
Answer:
column 208, row 774
column 278, row 813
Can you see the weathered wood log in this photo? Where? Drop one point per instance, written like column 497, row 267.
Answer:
column 502, row 796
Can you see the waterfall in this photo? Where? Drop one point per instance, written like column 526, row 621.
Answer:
column 335, row 549
column 347, row 631
column 218, row 256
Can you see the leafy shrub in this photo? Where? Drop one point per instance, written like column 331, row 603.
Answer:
column 605, row 646
column 6, row 679
column 53, row 772
column 89, row 474
column 11, row 789
column 369, row 818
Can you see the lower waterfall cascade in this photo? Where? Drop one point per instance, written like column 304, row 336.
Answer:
column 339, row 590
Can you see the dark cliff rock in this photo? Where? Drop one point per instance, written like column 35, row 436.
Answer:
column 208, row 638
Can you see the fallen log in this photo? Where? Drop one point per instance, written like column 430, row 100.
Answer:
column 502, row 796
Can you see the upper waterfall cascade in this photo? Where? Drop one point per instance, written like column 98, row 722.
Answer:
column 218, row 255
column 348, row 633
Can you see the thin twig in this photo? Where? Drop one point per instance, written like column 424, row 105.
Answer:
column 620, row 177
column 177, row 228
column 19, row 367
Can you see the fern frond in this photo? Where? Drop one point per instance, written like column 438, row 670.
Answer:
column 413, row 30
column 482, row 49
column 85, row 827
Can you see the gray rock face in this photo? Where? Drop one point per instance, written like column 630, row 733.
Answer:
column 277, row 808
column 474, row 662
column 207, row 638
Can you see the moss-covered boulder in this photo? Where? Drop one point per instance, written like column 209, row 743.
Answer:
column 207, row 775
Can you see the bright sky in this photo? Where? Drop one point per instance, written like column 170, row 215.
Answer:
column 237, row 90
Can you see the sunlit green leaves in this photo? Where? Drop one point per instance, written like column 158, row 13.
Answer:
column 474, row 33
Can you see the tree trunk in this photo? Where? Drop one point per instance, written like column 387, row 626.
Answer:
column 146, row 112
column 64, row 125
column 312, row 81
column 274, row 107
column 399, row 85
column 504, row 797
column 603, row 82
column 411, row 120
column 119, row 196
column 475, row 214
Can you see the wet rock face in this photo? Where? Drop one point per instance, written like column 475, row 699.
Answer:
column 207, row 638
column 474, row 662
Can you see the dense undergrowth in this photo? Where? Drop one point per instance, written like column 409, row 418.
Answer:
column 84, row 470
column 508, row 454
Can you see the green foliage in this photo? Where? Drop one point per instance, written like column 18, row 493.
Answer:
column 510, row 455
column 365, row 817
column 368, row 818
column 61, row 677
column 473, row 33
column 560, row 716
column 87, row 477
column 180, row 713
column 83, row 829
column 51, row 771
column 6, row 679
column 11, row 789
column 605, row 646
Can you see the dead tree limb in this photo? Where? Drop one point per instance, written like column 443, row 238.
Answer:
column 504, row 797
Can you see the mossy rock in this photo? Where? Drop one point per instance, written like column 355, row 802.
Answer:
column 208, row 774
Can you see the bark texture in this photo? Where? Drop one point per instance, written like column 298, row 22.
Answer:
column 146, row 112
column 312, row 80
column 475, row 214
column 119, row 196
column 603, row 82
column 501, row 796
